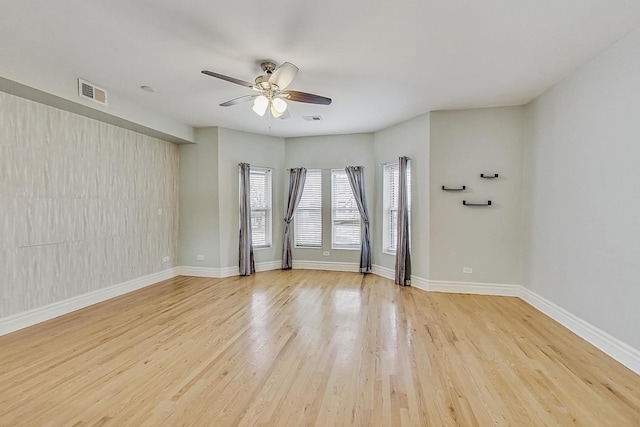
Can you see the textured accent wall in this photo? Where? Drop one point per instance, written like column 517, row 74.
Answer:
column 79, row 203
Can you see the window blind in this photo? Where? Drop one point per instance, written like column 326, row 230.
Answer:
column 260, row 181
column 390, row 201
column 307, row 222
column 345, row 217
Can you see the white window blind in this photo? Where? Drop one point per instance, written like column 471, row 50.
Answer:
column 390, row 203
column 307, row 222
column 345, row 217
column 261, row 207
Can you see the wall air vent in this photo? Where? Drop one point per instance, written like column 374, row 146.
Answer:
column 90, row 91
column 312, row 118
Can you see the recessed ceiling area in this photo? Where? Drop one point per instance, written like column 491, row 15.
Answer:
column 380, row 62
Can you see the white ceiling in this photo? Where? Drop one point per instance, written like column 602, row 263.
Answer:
column 380, row 61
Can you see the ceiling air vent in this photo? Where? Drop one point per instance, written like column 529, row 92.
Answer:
column 90, row 91
column 312, row 118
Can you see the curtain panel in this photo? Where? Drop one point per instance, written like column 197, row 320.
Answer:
column 403, row 254
column 297, row 177
column 356, row 179
column 247, row 264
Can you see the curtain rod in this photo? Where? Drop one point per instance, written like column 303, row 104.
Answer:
column 323, row 169
column 260, row 167
column 315, row 169
column 392, row 163
column 289, row 169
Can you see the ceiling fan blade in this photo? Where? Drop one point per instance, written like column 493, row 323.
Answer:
column 294, row 95
column 283, row 75
column 227, row 78
column 238, row 100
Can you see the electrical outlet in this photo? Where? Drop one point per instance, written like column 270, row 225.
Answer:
column 200, row 257
column 326, row 253
column 467, row 270
column 165, row 259
column 159, row 212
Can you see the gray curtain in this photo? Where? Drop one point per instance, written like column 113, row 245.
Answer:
column 356, row 179
column 403, row 255
column 247, row 264
column 297, row 177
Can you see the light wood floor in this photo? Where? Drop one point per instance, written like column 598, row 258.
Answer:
column 299, row 348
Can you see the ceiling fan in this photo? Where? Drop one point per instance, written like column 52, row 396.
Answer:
column 271, row 87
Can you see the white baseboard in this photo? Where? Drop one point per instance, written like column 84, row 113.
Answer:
column 219, row 273
column 387, row 273
column 623, row 353
column 277, row 265
column 199, row 271
column 268, row 266
column 326, row 265
column 453, row 287
column 505, row 290
column 31, row 317
column 228, row 271
column 420, row 283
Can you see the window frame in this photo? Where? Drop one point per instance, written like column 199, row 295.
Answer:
column 299, row 209
column 389, row 206
column 334, row 246
column 267, row 173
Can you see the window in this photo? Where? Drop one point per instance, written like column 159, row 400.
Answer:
column 390, row 205
column 260, row 182
column 307, row 223
column 345, row 217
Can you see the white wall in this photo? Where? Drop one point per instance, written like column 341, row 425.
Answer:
column 331, row 152
column 411, row 139
column 465, row 144
column 199, row 201
column 79, row 204
column 235, row 147
column 209, row 195
column 583, row 199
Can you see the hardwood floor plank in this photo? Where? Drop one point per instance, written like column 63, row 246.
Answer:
column 308, row 348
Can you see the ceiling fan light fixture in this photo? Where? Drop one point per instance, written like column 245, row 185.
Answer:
column 279, row 105
column 275, row 113
column 260, row 105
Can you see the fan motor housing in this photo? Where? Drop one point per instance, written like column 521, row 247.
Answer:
column 268, row 67
column 262, row 82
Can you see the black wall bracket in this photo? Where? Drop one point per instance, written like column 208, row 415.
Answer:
column 464, row 187
column 464, row 202
column 488, row 175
